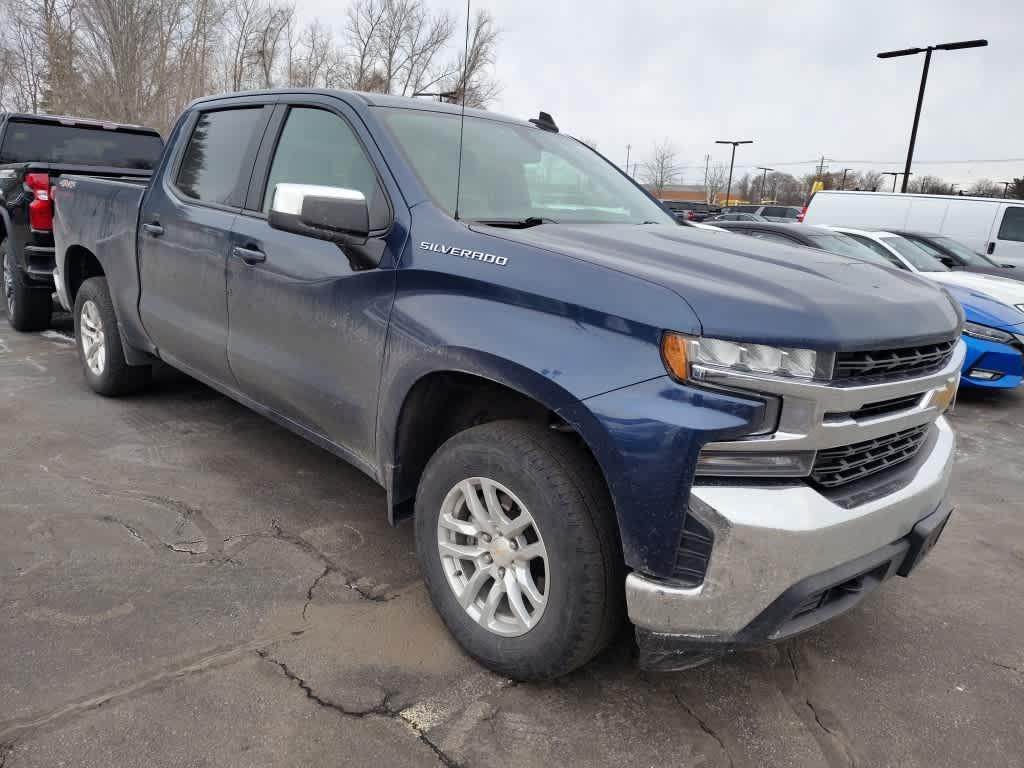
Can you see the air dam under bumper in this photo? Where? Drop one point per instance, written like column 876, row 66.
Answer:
column 773, row 544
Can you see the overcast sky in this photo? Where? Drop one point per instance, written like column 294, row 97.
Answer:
column 799, row 77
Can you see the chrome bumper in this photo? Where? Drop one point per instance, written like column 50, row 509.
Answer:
column 769, row 538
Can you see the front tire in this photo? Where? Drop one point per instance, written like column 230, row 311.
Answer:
column 28, row 307
column 99, row 343
column 516, row 539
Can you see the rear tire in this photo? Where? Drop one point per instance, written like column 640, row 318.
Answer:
column 99, row 343
column 542, row 601
column 28, row 307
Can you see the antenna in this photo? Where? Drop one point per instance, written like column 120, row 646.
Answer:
column 462, row 119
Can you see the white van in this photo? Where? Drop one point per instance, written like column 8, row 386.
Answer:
column 988, row 225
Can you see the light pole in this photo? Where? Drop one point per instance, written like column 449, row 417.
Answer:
column 1006, row 186
column 764, row 178
column 952, row 187
column 735, row 144
column 895, row 175
column 927, row 51
column 842, row 184
column 628, row 147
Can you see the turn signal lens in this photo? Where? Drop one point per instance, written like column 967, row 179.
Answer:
column 673, row 352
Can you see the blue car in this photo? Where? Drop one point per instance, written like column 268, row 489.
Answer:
column 994, row 333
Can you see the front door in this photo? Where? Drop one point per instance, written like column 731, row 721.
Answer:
column 307, row 327
column 185, row 236
column 1007, row 243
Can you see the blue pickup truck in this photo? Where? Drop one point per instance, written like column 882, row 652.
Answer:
column 589, row 411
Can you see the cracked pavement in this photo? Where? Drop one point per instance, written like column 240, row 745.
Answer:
column 183, row 583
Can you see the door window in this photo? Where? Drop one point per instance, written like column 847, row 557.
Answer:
column 318, row 147
column 218, row 155
column 1012, row 227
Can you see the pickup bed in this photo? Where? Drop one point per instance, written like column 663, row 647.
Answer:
column 35, row 152
column 589, row 411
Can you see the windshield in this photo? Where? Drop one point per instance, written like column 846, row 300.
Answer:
column 847, row 246
column 26, row 142
column 963, row 253
column 920, row 259
column 513, row 172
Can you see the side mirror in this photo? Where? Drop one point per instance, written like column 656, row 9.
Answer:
column 327, row 213
column 1009, row 266
column 946, row 260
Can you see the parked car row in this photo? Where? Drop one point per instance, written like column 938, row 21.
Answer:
column 992, row 296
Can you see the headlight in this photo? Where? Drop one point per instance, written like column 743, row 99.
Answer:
column 679, row 352
column 987, row 333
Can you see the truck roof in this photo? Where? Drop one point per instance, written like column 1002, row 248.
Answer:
column 28, row 117
column 373, row 100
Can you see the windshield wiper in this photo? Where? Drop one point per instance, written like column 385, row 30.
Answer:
column 529, row 221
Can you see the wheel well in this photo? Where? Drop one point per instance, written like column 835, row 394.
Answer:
column 79, row 266
column 439, row 406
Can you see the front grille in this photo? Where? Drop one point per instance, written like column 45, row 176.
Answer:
column 838, row 466
column 694, row 552
column 893, row 363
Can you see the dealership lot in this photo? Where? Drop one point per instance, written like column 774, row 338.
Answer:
column 183, row 583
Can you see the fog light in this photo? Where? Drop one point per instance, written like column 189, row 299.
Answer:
column 978, row 373
column 754, row 464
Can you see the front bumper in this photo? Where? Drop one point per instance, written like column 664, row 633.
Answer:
column 767, row 539
column 991, row 364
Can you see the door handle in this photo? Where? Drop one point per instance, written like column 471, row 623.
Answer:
column 249, row 255
column 991, row 247
column 153, row 229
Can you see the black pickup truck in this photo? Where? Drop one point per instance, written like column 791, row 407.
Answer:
column 35, row 150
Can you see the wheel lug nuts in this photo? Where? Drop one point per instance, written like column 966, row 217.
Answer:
column 487, row 559
column 501, row 573
column 486, row 537
column 513, row 544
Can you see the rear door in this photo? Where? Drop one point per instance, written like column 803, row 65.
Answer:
column 1006, row 246
column 185, row 236
column 307, row 326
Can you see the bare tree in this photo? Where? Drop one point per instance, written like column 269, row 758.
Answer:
column 663, row 167
column 717, row 175
column 985, row 188
column 928, row 185
column 473, row 72
column 143, row 60
column 870, row 181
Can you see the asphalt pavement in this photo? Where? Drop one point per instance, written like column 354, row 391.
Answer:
column 183, row 583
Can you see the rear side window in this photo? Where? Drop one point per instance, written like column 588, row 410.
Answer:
column 774, row 210
column 318, row 147
column 774, row 237
column 220, row 145
column 1012, row 227
column 877, row 248
column 26, row 142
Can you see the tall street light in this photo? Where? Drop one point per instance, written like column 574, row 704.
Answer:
column 1006, row 186
column 895, row 175
column 927, row 51
column 764, row 178
column 842, row 185
column 735, row 144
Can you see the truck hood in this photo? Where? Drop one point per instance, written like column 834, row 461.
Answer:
column 745, row 289
column 999, row 288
